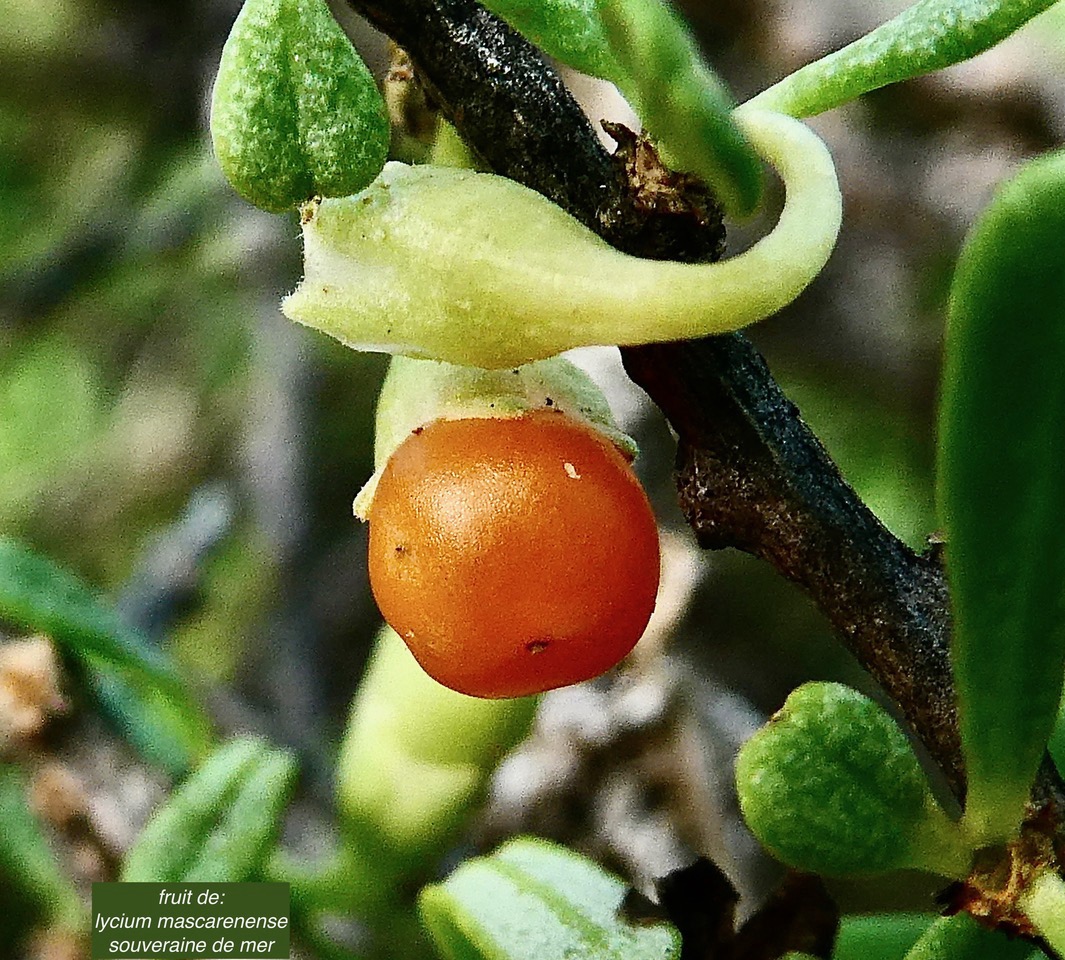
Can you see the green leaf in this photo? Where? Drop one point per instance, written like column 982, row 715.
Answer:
column 417, row 757
column 928, row 36
column 571, row 31
column 172, row 733
column 295, row 112
column 27, row 864
column 474, row 269
column 1001, row 489
column 880, row 936
column 645, row 49
column 135, row 682
column 235, row 847
column 37, row 594
column 962, row 938
column 682, row 102
column 533, row 900
column 831, row 785
column 220, row 823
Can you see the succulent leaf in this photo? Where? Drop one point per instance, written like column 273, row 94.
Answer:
column 927, row 36
column 533, row 900
column 832, row 785
column 471, row 268
column 218, row 825
column 1001, row 489
column 295, row 112
column 416, row 755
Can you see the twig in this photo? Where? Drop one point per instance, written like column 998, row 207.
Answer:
column 752, row 475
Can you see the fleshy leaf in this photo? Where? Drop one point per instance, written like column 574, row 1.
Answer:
column 1001, row 478
column 295, row 112
column 831, row 785
column 417, row 755
column 219, row 824
column 880, row 936
column 682, row 102
column 961, row 938
column 474, row 269
column 571, row 31
column 533, row 900
column 928, row 36
column 644, row 48
column 28, row 867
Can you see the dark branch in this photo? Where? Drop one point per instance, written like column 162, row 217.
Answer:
column 751, row 474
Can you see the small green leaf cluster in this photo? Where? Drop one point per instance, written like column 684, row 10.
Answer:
column 645, row 50
column 217, row 825
column 522, row 280
column 296, row 115
column 470, row 269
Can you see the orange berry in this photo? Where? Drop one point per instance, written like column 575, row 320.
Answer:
column 513, row 555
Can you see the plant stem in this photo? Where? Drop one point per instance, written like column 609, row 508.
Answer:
column 448, row 150
column 751, row 474
column 1044, row 903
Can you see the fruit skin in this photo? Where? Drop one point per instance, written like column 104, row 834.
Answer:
column 513, row 555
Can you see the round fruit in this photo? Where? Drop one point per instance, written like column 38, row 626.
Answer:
column 513, row 555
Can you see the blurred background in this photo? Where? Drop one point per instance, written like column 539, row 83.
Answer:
column 168, row 435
